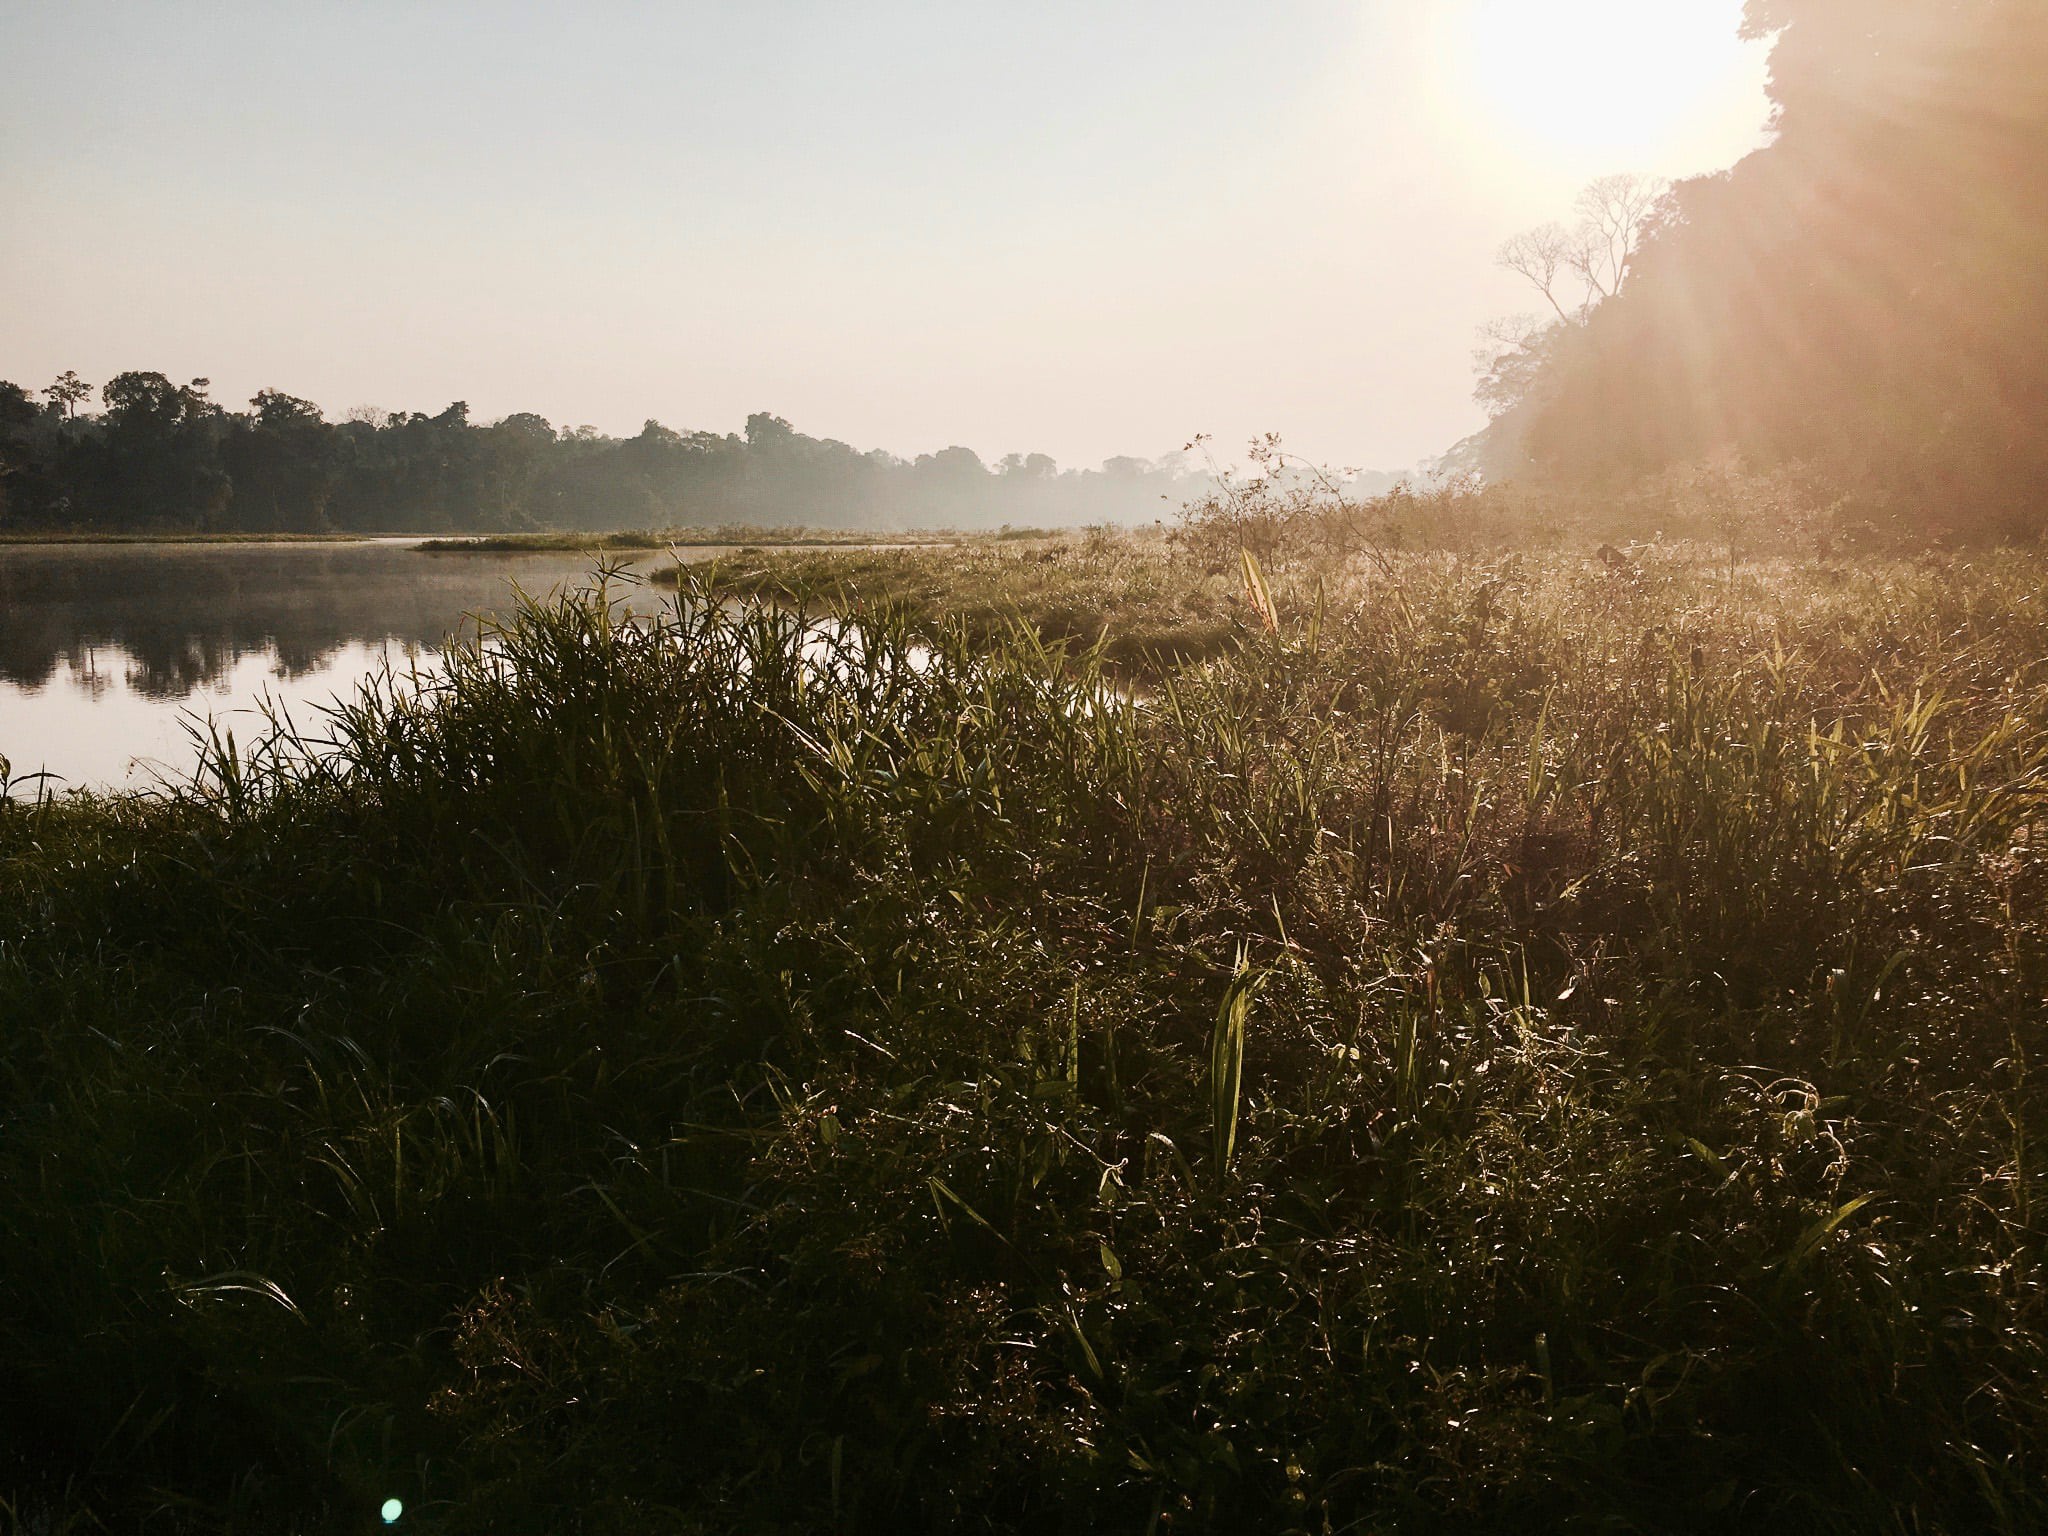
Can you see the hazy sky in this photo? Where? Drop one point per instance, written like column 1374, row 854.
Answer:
column 1078, row 228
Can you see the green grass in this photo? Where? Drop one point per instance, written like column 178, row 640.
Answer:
column 1522, row 1048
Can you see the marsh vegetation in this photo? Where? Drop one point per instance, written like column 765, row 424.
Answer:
column 1508, row 1040
column 1510, row 999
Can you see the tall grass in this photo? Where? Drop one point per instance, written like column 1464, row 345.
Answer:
column 764, row 1069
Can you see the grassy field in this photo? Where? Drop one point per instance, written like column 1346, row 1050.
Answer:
column 1125, row 592
column 1426, row 1045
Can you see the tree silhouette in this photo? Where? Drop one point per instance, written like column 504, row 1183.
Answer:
column 1862, row 299
column 67, row 393
column 164, row 455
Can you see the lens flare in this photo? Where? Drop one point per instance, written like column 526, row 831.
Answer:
column 1643, row 86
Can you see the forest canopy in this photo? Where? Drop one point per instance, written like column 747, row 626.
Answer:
column 167, row 456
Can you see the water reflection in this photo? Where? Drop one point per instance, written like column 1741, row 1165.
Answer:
column 186, row 614
column 109, row 652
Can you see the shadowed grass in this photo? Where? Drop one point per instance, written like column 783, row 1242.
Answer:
column 752, row 1072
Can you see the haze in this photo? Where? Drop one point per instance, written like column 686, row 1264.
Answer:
column 1078, row 229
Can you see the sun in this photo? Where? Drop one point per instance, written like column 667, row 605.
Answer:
column 1660, row 85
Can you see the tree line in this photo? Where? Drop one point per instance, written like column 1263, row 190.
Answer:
column 166, row 456
column 1860, row 303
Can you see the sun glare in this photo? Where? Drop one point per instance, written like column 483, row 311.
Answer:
column 1656, row 85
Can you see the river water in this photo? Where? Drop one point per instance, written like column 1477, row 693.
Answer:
column 111, row 654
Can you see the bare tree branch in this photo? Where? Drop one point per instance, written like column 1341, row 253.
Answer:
column 1541, row 256
column 1612, row 212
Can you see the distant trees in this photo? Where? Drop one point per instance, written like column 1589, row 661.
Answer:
column 67, row 393
column 154, row 460
column 19, row 419
column 1026, row 466
column 516, row 456
column 17, row 411
column 282, row 463
column 165, row 455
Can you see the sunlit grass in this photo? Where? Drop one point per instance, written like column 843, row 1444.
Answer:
column 1100, row 588
column 602, row 541
column 1525, row 1046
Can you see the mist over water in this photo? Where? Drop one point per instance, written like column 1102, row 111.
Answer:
column 111, row 654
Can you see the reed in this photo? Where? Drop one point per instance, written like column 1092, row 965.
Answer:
column 749, row 1069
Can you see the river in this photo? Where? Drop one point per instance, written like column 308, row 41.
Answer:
column 112, row 654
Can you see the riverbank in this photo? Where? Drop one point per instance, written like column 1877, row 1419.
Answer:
column 1507, row 1044
column 13, row 537
column 569, row 541
column 731, row 535
column 1131, row 594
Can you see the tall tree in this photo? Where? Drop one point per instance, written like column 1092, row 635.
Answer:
column 1864, row 296
column 67, row 393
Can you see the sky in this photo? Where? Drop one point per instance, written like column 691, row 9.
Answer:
column 1078, row 227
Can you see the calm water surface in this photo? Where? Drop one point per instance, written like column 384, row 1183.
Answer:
column 110, row 653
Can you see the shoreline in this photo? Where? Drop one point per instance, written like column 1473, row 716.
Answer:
column 546, row 542
column 24, row 539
